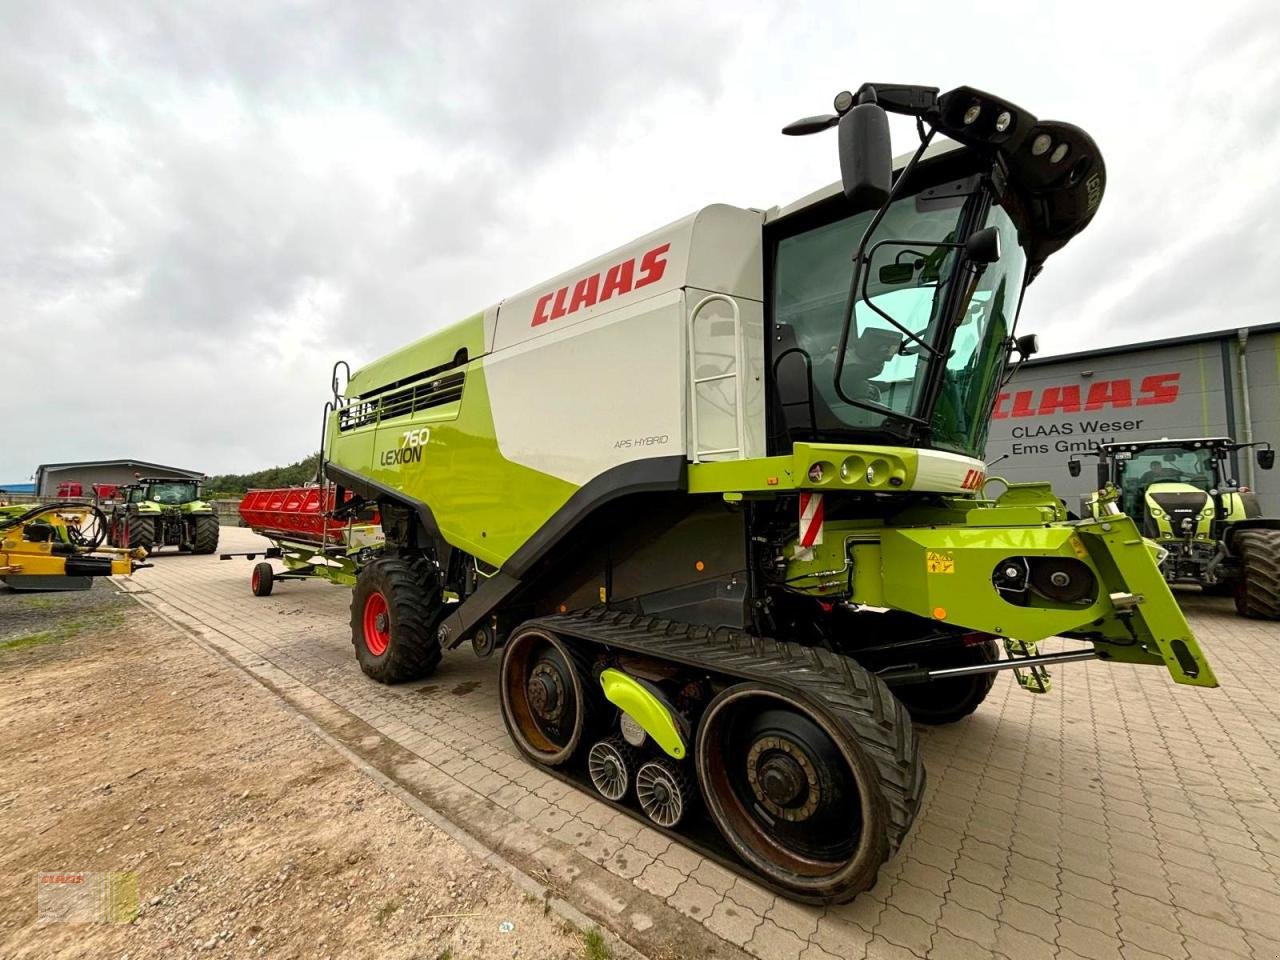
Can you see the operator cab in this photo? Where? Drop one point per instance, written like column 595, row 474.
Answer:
column 891, row 312
column 1172, row 480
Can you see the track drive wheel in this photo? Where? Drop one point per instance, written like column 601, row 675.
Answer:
column 953, row 698
column 262, row 579
column 815, row 799
column 1258, row 589
column 550, row 702
column 206, row 538
column 394, row 611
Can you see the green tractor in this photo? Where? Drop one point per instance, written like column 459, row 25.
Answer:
column 717, row 497
column 1183, row 496
column 160, row 512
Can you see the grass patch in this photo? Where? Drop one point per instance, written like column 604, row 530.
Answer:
column 594, row 946
column 28, row 640
column 385, row 911
column 60, row 632
column 445, row 954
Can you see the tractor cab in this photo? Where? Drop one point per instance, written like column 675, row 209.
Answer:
column 1177, row 488
column 164, row 491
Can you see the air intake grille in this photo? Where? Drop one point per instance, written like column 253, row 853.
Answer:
column 401, row 403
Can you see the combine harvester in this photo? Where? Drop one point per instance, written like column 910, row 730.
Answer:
column 719, row 498
column 306, row 535
column 58, row 546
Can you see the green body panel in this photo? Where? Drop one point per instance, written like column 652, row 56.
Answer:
column 843, row 466
column 638, row 702
column 433, row 350
column 938, row 563
column 482, row 502
column 193, row 508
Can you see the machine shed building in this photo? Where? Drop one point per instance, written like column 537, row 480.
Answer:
column 1225, row 383
column 49, row 476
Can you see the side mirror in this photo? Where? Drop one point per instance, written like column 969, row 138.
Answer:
column 983, row 247
column 1073, row 467
column 1266, row 458
column 866, row 156
column 892, row 274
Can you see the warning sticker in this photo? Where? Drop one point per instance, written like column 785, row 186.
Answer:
column 939, row 562
column 1078, row 548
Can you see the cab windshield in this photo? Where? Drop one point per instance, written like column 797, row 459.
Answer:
column 170, row 493
column 885, row 366
column 1164, row 465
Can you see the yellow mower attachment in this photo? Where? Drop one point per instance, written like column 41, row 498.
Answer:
column 58, row 546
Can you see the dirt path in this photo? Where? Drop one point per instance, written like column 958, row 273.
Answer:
column 126, row 747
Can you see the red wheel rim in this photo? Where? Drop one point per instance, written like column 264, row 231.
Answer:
column 253, row 582
column 377, row 624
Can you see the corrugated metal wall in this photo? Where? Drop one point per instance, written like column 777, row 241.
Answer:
column 1059, row 406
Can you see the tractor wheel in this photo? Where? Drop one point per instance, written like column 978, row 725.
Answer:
column 262, row 579
column 142, row 533
column 206, row 538
column 952, row 699
column 1258, row 589
column 394, row 609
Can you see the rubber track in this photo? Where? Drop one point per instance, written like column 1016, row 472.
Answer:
column 857, row 700
column 1258, row 595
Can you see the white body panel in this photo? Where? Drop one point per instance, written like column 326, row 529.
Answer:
column 948, row 472
column 580, row 382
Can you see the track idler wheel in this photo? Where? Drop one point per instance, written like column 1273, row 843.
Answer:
column 792, row 791
column 664, row 792
column 549, row 702
column 611, row 764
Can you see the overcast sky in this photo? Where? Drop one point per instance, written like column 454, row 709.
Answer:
column 202, row 206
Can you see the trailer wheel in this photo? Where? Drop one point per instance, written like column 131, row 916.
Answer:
column 394, row 609
column 206, row 538
column 1258, row 589
column 262, row 579
column 952, row 699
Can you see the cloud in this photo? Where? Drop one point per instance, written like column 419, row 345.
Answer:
column 206, row 205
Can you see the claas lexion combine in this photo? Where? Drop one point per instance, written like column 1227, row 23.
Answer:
column 718, row 497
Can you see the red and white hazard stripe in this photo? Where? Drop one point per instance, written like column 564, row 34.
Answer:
column 810, row 519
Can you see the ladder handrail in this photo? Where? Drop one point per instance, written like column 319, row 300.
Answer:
column 695, row 381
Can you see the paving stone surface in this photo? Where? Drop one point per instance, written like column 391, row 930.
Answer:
column 1121, row 815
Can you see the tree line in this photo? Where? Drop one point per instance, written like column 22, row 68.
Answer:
column 234, row 484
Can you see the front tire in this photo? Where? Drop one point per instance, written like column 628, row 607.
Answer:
column 1258, row 589
column 395, row 607
column 954, row 698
